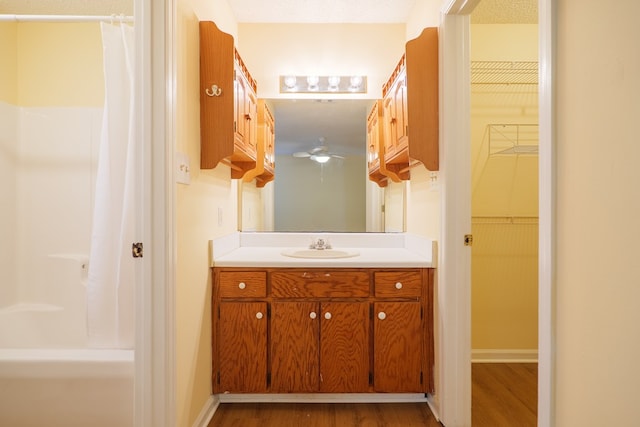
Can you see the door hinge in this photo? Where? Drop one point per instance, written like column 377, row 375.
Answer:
column 137, row 249
column 218, row 377
column 370, row 378
column 468, row 239
column 421, row 376
column 268, row 379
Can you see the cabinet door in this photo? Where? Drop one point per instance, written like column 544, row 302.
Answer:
column 373, row 139
column 251, row 119
column 242, row 347
column 397, row 360
column 390, row 129
column 395, row 118
column 344, row 347
column 294, row 347
column 400, row 104
column 239, row 107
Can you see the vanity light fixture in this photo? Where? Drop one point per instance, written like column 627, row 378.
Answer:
column 323, row 84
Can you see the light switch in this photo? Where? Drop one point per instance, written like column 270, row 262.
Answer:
column 183, row 169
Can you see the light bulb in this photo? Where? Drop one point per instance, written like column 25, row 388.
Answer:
column 334, row 81
column 290, row 82
column 320, row 158
column 312, row 81
column 355, row 81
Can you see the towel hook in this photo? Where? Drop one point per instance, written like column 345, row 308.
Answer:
column 213, row 91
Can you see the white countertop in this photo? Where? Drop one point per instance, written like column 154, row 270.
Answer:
column 382, row 250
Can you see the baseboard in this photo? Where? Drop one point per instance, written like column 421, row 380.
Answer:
column 324, row 398
column 504, row 356
column 434, row 406
column 206, row 414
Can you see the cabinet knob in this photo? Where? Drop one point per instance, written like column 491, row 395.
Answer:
column 313, row 315
column 259, row 315
column 398, row 285
column 242, row 285
column 382, row 315
column 327, row 315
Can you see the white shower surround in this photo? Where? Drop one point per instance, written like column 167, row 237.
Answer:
column 48, row 165
column 51, row 155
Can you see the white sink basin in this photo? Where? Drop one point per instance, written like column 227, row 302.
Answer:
column 319, row 253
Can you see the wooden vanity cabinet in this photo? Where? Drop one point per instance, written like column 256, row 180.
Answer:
column 328, row 330
column 320, row 344
column 228, row 104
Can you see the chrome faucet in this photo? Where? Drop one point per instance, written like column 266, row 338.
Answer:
column 320, row 244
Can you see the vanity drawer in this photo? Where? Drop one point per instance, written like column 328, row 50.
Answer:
column 319, row 283
column 243, row 284
column 389, row 284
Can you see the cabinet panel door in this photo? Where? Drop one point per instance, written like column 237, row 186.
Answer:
column 344, row 347
column 390, row 129
column 240, row 107
column 400, row 104
column 397, row 359
column 243, row 347
column 294, row 347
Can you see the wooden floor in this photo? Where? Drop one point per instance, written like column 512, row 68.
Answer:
column 503, row 395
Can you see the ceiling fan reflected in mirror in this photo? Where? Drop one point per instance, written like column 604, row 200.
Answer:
column 319, row 154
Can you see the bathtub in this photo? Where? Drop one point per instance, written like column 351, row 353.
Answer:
column 48, row 376
column 66, row 387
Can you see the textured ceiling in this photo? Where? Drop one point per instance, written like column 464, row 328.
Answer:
column 66, row 7
column 505, row 12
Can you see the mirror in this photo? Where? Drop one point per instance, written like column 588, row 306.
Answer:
column 309, row 196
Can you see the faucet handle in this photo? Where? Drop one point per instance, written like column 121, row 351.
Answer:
column 320, row 244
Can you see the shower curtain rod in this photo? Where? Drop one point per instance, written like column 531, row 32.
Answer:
column 65, row 18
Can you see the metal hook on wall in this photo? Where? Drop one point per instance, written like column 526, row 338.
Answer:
column 213, row 91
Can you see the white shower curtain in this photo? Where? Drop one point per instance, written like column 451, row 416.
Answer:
column 110, row 286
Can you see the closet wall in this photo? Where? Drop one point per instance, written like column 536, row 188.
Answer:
column 504, row 118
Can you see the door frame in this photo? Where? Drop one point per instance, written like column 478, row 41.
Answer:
column 155, row 83
column 155, row 319
column 455, row 263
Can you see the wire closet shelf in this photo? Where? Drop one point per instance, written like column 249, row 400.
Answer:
column 504, row 72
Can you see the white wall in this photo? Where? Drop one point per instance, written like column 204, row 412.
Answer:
column 598, row 207
column 272, row 50
column 197, row 208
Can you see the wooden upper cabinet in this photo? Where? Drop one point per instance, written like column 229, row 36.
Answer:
column 228, row 104
column 410, row 109
column 375, row 149
column 265, row 159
